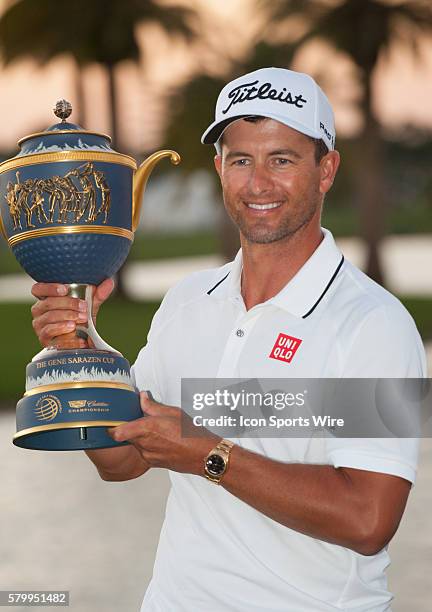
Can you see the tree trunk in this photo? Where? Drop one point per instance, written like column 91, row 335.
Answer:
column 369, row 172
column 113, row 102
column 227, row 232
column 79, row 111
column 228, row 237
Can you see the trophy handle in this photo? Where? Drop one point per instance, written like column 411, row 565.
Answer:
column 141, row 177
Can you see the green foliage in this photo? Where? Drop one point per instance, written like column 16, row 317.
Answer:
column 343, row 219
column 192, row 113
column 19, row 344
column 95, row 31
column 420, row 309
column 363, row 29
column 193, row 106
column 165, row 246
column 8, row 263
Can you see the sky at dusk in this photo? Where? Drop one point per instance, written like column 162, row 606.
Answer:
column 403, row 85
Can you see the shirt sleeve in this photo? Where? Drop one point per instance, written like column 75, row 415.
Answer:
column 386, row 345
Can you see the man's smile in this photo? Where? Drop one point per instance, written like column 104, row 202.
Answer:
column 263, row 207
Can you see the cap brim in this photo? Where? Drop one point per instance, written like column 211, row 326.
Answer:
column 214, row 131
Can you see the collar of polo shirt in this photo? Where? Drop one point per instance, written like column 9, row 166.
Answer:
column 302, row 294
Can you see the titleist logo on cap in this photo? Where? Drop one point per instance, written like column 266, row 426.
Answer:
column 266, row 91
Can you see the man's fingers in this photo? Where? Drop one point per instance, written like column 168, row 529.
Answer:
column 55, row 313
column 130, row 430
column 58, row 303
column 101, row 293
column 104, row 290
column 49, row 332
column 54, row 317
column 43, row 290
column 59, row 316
column 152, row 408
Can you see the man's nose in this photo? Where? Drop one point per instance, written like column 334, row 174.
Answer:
column 260, row 180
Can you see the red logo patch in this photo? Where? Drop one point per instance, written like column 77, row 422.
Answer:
column 285, row 348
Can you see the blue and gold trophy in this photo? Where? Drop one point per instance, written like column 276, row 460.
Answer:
column 69, row 207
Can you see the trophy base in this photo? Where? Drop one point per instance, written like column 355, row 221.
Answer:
column 72, row 412
column 74, row 428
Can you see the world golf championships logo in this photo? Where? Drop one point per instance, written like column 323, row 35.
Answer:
column 47, row 408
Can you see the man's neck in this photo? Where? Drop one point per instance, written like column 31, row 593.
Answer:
column 267, row 268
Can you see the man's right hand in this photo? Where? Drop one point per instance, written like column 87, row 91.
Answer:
column 55, row 313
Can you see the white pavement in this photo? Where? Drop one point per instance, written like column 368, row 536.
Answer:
column 61, row 527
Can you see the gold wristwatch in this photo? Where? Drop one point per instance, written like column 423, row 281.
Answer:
column 216, row 462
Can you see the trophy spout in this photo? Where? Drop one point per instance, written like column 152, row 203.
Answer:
column 141, row 177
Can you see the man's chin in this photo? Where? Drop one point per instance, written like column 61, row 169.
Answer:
column 264, row 236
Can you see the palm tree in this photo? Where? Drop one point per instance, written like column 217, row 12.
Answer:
column 89, row 31
column 364, row 30
column 192, row 109
column 192, row 112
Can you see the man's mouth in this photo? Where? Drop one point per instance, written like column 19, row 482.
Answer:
column 267, row 206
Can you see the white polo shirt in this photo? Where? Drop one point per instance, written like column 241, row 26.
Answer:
column 216, row 552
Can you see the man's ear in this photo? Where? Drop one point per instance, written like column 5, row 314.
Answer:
column 328, row 167
column 218, row 164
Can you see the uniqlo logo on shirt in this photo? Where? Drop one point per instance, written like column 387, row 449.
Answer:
column 285, row 348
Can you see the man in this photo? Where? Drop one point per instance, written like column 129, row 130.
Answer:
column 296, row 524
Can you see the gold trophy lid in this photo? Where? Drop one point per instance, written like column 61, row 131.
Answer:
column 64, row 136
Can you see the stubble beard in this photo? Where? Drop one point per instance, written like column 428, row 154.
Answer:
column 261, row 233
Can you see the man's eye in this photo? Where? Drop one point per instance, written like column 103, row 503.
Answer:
column 282, row 161
column 240, row 162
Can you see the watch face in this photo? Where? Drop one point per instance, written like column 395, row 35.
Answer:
column 215, row 465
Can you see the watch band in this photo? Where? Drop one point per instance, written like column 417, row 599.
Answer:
column 223, row 450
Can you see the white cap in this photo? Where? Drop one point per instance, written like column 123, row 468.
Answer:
column 293, row 98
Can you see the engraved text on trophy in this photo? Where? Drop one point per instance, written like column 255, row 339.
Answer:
column 82, row 195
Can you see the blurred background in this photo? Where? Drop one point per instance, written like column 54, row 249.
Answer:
column 148, row 72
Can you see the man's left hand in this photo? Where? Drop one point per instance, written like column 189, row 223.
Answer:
column 158, row 438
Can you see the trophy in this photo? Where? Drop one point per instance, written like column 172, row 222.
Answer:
column 69, row 207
